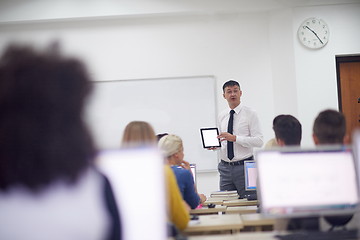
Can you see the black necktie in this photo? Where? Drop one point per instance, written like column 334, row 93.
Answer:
column 230, row 145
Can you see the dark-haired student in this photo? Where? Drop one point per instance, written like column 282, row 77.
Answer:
column 287, row 130
column 49, row 188
column 330, row 129
column 288, row 133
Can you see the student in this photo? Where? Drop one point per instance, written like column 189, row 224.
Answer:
column 173, row 149
column 287, row 130
column 238, row 145
column 330, row 129
column 49, row 188
column 141, row 134
column 272, row 143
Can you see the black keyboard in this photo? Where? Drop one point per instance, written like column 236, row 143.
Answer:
column 313, row 235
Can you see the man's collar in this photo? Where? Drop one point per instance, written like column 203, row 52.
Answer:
column 237, row 108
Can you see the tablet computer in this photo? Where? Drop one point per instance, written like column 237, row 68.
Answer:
column 209, row 137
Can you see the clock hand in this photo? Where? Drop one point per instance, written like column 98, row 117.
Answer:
column 314, row 34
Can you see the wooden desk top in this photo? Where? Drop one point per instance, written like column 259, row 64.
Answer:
column 207, row 210
column 240, row 202
column 213, row 222
column 215, row 201
column 241, row 209
column 256, row 219
column 225, row 198
column 238, row 236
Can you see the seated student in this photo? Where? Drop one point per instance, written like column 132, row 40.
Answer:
column 272, row 143
column 173, row 149
column 329, row 129
column 49, row 188
column 140, row 134
column 288, row 132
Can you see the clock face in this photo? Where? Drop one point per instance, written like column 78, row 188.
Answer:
column 313, row 33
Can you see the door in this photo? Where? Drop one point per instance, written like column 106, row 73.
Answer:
column 348, row 77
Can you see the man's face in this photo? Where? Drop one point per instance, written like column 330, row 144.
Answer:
column 232, row 94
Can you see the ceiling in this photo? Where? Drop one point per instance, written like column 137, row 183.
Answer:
column 25, row 10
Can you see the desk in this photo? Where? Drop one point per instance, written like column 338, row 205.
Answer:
column 241, row 209
column 223, row 198
column 238, row 236
column 207, row 210
column 211, row 223
column 215, row 201
column 240, row 202
column 257, row 221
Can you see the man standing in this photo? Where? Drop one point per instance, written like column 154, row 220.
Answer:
column 239, row 132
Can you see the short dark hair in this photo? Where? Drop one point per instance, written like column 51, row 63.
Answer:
column 230, row 83
column 288, row 129
column 330, row 127
column 160, row 135
column 42, row 134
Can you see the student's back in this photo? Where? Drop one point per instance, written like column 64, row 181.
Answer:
column 58, row 212
column 330, row 129
column 48, row 187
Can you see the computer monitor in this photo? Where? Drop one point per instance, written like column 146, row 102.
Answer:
column 356, row 149
column 250, row 174
column 138, row 181
column 307, row 182
column 193, row 171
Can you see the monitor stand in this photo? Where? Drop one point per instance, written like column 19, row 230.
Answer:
column 338, row 221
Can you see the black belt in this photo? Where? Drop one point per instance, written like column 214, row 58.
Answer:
column 240, row 162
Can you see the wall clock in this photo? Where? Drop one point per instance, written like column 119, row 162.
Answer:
column 313, row 33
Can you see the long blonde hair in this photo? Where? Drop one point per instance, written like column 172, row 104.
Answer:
column 137, row 134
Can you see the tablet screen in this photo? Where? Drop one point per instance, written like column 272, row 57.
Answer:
column 209, row 137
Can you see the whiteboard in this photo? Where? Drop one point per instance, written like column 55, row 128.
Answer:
column 180, row 106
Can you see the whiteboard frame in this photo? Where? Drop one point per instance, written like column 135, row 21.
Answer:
column 205, row 160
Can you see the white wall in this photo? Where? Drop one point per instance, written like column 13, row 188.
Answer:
column 260, row 50
column 316, row 70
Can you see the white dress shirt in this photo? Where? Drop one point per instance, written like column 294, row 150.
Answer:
column 247, row 130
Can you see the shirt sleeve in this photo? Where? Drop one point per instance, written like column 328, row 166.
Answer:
column 255, row 138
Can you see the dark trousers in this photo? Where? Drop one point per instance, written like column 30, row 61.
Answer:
column 232, row 178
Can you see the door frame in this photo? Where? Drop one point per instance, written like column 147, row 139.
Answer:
column 342, row 59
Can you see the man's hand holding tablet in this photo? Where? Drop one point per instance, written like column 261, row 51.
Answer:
column 210, row 138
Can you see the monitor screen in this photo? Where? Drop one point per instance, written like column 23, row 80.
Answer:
column 301, row 182
column 356, row 148
column 137, row 179
column 250, row 175
column 193, row 171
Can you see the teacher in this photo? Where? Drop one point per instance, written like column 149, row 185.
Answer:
column 239, row 133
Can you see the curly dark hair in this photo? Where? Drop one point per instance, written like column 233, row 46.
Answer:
column 43, row 137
